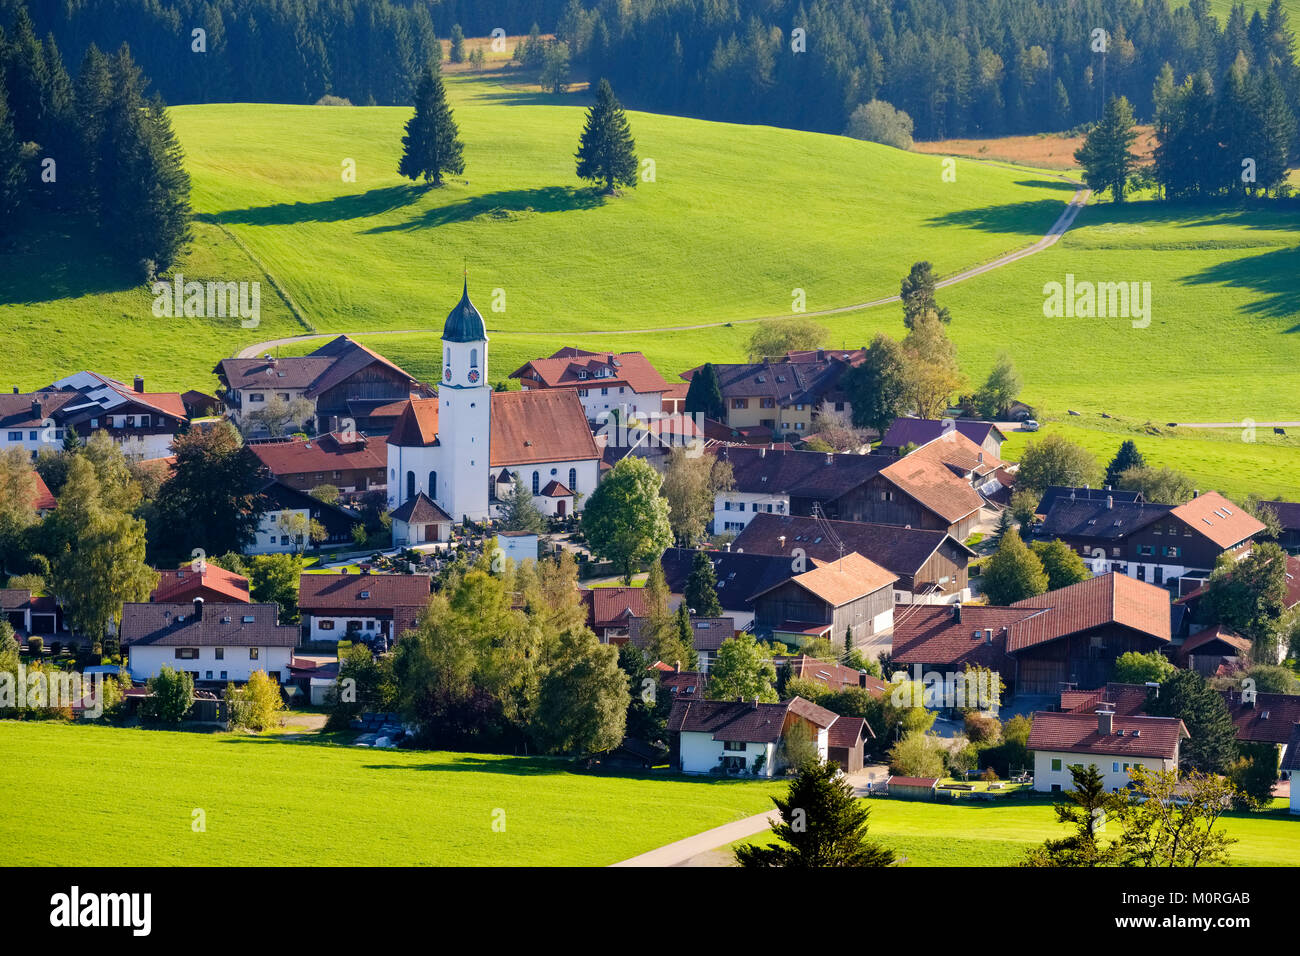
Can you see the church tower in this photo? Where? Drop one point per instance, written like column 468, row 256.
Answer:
column 464, row 413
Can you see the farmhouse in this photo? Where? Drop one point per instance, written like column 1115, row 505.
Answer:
column 1263, row 718
column 1070, row 635
column 211, row 642
column 454, row 447
column 1114, row 744
column 370, row 605
column 916, row 491
column 143, row 423
column 1163, row 544
column 740, row 736
column 930, row 565
column 213, row 584
column 341, row 381
column 916, row 432
column 603, row 381
column 1288, row 516
column 847, row 598
column 782, row 397
column 739, row 577
column 285, row 527
column 611, row 610
column 1067, row 493
column 353, row 462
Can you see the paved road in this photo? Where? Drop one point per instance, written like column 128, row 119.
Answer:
column 1063, row 222
column 695, row 850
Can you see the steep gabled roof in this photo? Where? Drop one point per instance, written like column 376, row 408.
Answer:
column 1111, row 598
column 610, row 607
column 930, row 482
column 743, row 721
column 220, row 625
column 566, row 367
column 1129, row 737
column 1224, row 523
column 44, row 499
column 841, row 581
column 358, row 593
column 184, row 583
column 420, row 510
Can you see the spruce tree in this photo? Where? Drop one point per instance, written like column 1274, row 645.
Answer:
column 457, row 52
column 705, row 394
column 432, row 143
column 606, row 153
column 11, row 170
column 1275, row 131
column 917, row 292
column 91, row 97
column 1127, row 457
column 700, row 594
column 1106, row 154
column 823, row 824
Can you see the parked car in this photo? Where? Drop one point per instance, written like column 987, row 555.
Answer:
column 1029, row 425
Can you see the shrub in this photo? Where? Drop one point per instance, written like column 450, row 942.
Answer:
column 35, row 646
column 880, row 122
column 989, row 775
column 983, row 728
column 56, row 648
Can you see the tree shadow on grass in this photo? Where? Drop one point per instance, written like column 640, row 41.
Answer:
column 1030, row 219
column 63, row 259
column 1060, row 184
column 501, row 206
column 373, row 202
column 1271, row 276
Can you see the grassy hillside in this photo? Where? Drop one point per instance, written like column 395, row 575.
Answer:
column 273, row 803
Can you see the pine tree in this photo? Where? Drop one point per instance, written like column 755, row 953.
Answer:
column 823, row 824
column 1127, row 457
column 1275, row 129
column 700, row 593
column 432, row 143
column 606, row 153
column 1106, row 154
column 518, row 511
column 457, row 52
column 92, row 95
column 705, row 394
column 917, row 293
column 11, row 169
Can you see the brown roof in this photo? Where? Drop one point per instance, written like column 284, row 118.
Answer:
column 16, row 410
column 1219, row 519
column 931, row 483
column 420, row 510
column 932, row 634
column 1128, row 700
column 555, row 489
column 829, row 674
column 610, row 607
column 563, row 369
column 1129, row 737
column 1292, row 759
column 922, row 431
column 812, row 712
column 1231, row 643
column 322, row 454
column 44, row 497
column 843, row 581
column 897, row 781
column 527, row 427
column 1268, row 720
column 184, row 583
column 847, row 732
column 743, row 721
column 176, row 625
column 323, row 593
column 315, row 373
column 960, row 454
column 708, row 633
column 1110, row 598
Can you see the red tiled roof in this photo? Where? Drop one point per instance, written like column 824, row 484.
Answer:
column 931, row 634
column 1268, row 720
column 184, row 583
column 1106, row 599
column 1079, row 733
column 1238, row 646
column 1127, row 700
column 1214, row 516
column 930, row 482
column 562, row 370
column 743, row 721
column 847, row 731
column 609, row 607
column 44, row 498
column 843, row 581
column 897, row 781
column 322, row 454
column 323, row 593
column 555, row 489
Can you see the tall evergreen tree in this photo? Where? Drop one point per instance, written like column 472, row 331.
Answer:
column 432, row 143
column 1212, row 747
column 1107, row 153
column 917, row 293
column 1127, row 457
column 700, row 594
column 705, row 394
column 11, row 169
column 1275, row 132
column 457, row 52
column 606, row 152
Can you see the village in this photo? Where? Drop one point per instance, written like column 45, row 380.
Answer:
column 905, row 607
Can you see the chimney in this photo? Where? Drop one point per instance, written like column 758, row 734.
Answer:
column 1105, row 722
column 678, row 668
column 728, row 545
column 830, row 458
column 981, row 458
column 780, row 542
column 1110, row 502
column 139, row 384
column 762, row 452
column 988, row 635
column 862, row 678
column 956, row 612
column 756, row 702
column 36, row 409
column 15, row 389
column 198, row 609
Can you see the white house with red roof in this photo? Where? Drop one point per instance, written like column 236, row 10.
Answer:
column 1114, row 743
column 603, row 381
column 462, row 448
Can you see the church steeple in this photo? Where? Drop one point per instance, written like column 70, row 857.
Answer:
column 464, row 323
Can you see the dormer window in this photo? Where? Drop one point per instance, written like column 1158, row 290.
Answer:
column 582, row 373
column 365, row 595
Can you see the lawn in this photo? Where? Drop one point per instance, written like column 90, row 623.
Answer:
column 998, row 832
column 111, row 796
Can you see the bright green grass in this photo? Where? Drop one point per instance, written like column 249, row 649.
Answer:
column 269, row 802
column 997, row 833
column 1218, row 459
column 737, row 218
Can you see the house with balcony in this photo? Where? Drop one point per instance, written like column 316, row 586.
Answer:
column 367, row 605
column 625, row 382
column 213, row 643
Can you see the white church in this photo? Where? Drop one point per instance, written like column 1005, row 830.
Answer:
column 452, row 457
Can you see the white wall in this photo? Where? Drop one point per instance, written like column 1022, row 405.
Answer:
column 146, row 661
column 597, row 405
column 700, row 753
column 1112, row 778
column 339, row 631
column 741, row 512
column 269, row 533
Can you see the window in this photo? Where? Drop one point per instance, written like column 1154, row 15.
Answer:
column 1056, row 763
column 604, row 391
column 446, row 358
column 256, row 397
column 221, row 653
column 209, row 677
column 325, row 625
column 537, row 483
column 740, row 403
column 473, row 358
column 767, row 403
column 410, row 484
column 31, row 436
column 734, row 745
column 187, row 653
column 1114, row 768
column 573, row 479
column 223, row 675
column 253, row 652
column 726, row 506
column 582, row 373
column 433, row 484
column 15, row 436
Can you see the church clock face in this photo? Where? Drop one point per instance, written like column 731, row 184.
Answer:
column 446, row 375
column 473, row 375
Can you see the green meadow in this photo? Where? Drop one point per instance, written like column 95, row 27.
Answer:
column 998, row 833
column 111, row 796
